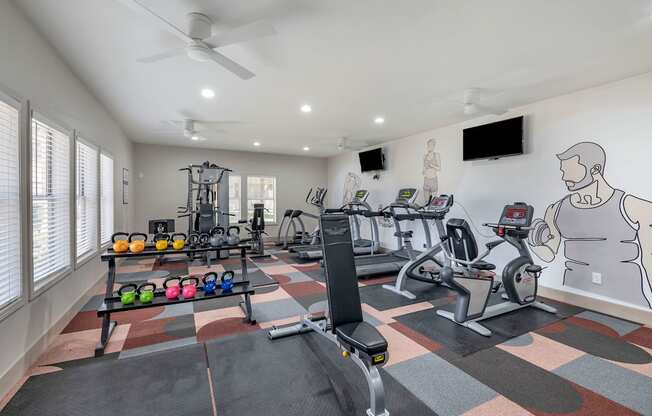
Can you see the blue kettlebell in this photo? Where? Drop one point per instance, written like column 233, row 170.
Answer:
column 209, row 285
column 227, row 280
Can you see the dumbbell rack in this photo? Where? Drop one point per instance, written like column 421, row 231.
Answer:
column 112, row 304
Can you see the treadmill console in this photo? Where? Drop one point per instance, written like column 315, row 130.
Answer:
column 406, row 196
column 360, row 196
column 441, row 203
column 518, row 214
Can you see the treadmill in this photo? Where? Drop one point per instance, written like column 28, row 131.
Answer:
column 356, row 208
column 402, row 209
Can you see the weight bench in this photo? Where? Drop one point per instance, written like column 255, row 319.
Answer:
column 343, row 323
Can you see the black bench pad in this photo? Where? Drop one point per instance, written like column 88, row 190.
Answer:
column 362, row 336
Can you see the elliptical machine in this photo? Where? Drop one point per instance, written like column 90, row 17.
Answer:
column 427, row 263
column 474, row 284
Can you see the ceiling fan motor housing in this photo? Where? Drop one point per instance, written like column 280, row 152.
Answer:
column 199, row 26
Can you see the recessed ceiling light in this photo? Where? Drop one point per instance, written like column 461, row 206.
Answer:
column 207, row 93
column 379, row 120
column 256, row 144
column 306, row 148
column 306, row 108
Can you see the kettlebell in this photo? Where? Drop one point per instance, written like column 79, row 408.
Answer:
column 217, row 236
column 120, row 245
column 227, row 280
column 193, row 240
column 178, row 243
column 233, row 235
column 137, row 246
column 127, row 297
column 146, row 292
column 189, row 290
column 209, row 285
column 172, row 292
column 161, row 241
column 204, row 239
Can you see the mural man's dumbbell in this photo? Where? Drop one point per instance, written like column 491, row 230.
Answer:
column 539, row 233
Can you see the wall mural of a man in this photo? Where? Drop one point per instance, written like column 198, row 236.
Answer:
column 604, row 230
column 351, row 185
column 431, row 168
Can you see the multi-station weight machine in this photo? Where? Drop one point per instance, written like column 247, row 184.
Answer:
column 207, row 205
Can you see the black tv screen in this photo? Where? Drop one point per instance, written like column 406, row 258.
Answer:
column 489, row 141
column 372, row 160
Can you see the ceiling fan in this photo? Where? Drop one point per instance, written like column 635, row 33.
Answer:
column 201, row 45
column 471, row 106
column 345, row 143
column 196, row 130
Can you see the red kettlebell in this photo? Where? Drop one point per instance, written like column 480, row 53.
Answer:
column 172, row 291
column 189, row 290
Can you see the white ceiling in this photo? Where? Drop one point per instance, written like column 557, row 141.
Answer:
column 409, row 61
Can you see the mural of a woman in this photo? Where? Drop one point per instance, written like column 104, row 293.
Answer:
column 431, row 168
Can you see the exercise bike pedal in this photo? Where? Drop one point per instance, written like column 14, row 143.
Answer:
column 496, row 287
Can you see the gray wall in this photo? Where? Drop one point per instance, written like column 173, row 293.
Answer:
column 160, row 187
column 30, row 69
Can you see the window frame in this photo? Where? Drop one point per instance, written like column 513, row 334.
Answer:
column 232, row 174
column 86, row 257
column 22, row 106
column 246, row 195
column 104, row 152
column 48, row 282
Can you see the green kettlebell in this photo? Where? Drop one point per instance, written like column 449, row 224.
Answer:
column 146, row 292
column 127, row 297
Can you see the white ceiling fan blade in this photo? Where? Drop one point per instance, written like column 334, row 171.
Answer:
column 220, row 122
column 242, row 33
column 156, row 18
column 234, row 67
column 161, row 56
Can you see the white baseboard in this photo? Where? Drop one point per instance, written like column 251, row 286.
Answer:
column 23, row 363
column 598, row 305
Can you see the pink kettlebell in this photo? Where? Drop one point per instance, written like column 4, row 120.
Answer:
column 189, row 290
column 173, row 291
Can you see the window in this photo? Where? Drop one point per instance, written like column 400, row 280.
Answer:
column 50, row 201
column 235, row 198
column 106, row 198
column 10, row 278
column 262, row 189
column 86, row 197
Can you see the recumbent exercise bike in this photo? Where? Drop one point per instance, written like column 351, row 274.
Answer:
column 473, row 280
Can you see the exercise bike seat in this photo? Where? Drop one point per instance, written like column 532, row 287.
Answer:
column 362, row 336
column 533, row 269
column 483, row 265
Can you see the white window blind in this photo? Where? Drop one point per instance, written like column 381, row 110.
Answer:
column 87, row 199
column 106, row 198
column 10, row 278
column 50, row 200
column 262, row 189
column 235, row 198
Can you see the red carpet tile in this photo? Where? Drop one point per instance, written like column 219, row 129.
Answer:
column 148, row 333
column 300, row 289
column 89, row 320
column 417, row 337
column 642, row 337
column 593, row 326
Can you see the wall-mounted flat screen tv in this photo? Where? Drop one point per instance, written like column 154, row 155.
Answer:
column 494, row 140
column 372, row 160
